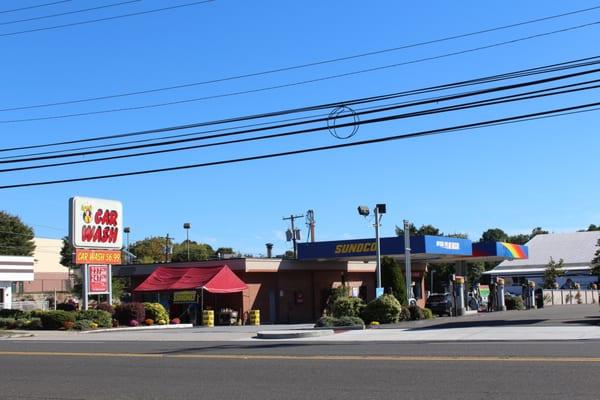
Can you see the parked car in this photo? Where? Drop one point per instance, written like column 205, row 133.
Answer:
column 440, row 304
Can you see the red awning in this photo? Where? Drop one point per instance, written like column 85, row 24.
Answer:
column 215, row 280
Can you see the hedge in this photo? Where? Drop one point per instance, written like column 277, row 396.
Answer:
column 56, row 319
column 329, row 322
column 385, row 309
column 125, row 313
column 102, row 318
column 156, row 312
column 347, row 307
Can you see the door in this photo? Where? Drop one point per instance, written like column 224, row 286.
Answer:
column 1, row 298
column 272, row 307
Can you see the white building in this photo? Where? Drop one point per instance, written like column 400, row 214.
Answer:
column 13, row 269
column 576, row 249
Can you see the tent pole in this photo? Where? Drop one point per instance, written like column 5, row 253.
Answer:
column 202, row 302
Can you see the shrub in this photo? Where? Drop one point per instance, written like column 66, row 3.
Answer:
column 427, row 313
column 16, row 314
column 7, row 323
column 404, row 314
column 101, row 318
column 385, row 309
column 94, row 325
column 34, row 323
column 83, row 324
column 66, row 306
column 161, row 322
column 56, row 319
column 134, row 322
column 37, row 313
column 175, row 321
column 514, row 303
column 115, row 323
column 106, row 307
column 349, row 321
column 69, row 325
column 347, row 307
column 156, row 312
column 330, row 322
column 149, row 322
column 130, row 311
column 415, row 313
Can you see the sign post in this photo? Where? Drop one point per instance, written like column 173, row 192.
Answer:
column 95, row 230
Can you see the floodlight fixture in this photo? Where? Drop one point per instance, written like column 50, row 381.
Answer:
column 363, row 210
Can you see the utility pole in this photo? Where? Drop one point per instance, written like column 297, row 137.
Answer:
column 407, row 266
column 294, row 235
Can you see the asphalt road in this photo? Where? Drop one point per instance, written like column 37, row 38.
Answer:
column 310, row 370
column 161, row 370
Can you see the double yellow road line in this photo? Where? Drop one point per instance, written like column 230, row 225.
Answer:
column 275, row 357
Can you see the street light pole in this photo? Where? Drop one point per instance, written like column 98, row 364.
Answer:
column 127, row 230
column 187, row 227
column 407, row 266
column 378, row 247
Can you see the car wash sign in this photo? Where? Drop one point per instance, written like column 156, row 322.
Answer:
column 96, row 223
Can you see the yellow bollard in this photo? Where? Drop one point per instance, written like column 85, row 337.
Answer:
column 208, row 318
column 254, row 317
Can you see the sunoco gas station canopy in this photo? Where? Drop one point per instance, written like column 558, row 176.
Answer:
column 427, row 248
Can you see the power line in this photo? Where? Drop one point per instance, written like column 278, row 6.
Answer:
column 299, row 83
column 291, row 124
column 104, row 19
column 481, row 103
column 475, row 125
column 68, row 12
column 571, row 64
column 306, row 65
column 36, row 6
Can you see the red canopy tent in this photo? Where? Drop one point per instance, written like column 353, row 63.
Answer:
column 214, row 280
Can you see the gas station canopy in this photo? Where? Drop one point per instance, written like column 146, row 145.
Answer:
column 426, row 248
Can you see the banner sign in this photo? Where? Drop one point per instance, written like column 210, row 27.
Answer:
column 185, row 296
column 96, row 223
column 91, row 256
column 390, row 246
column 98, row 280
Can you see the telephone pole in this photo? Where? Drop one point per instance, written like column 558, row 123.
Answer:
column 294, row 234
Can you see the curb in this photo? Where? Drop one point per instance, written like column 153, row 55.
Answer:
column 294, row 334
column 140, row 328
column 341, row 328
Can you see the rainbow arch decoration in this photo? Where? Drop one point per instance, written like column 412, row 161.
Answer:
column 504, row 250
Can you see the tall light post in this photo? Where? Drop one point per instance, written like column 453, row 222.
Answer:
column 407, row 266
column 127, row 230
column 380, row 209
column 187, row 227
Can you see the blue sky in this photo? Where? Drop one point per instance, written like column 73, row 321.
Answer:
column 516, row 177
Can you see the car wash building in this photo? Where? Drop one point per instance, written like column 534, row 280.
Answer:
column 296, row 290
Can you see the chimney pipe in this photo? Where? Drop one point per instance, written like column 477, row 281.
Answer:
column 269, row 250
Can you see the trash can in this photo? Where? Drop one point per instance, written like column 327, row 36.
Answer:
column 208, row 318
column 254, row 317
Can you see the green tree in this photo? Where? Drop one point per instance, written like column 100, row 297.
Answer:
column 149, row 250
column 595, row 263
column 518, row 239
column 474, row 272
column 494, row 235
column 537, row 231
column 412, row 230
column 118, row 288
column 392, row 277
column 553, row 271
column 16, row 238
column 66, row 253
column 224, row 250
column 198, row 251
column 593, row 227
